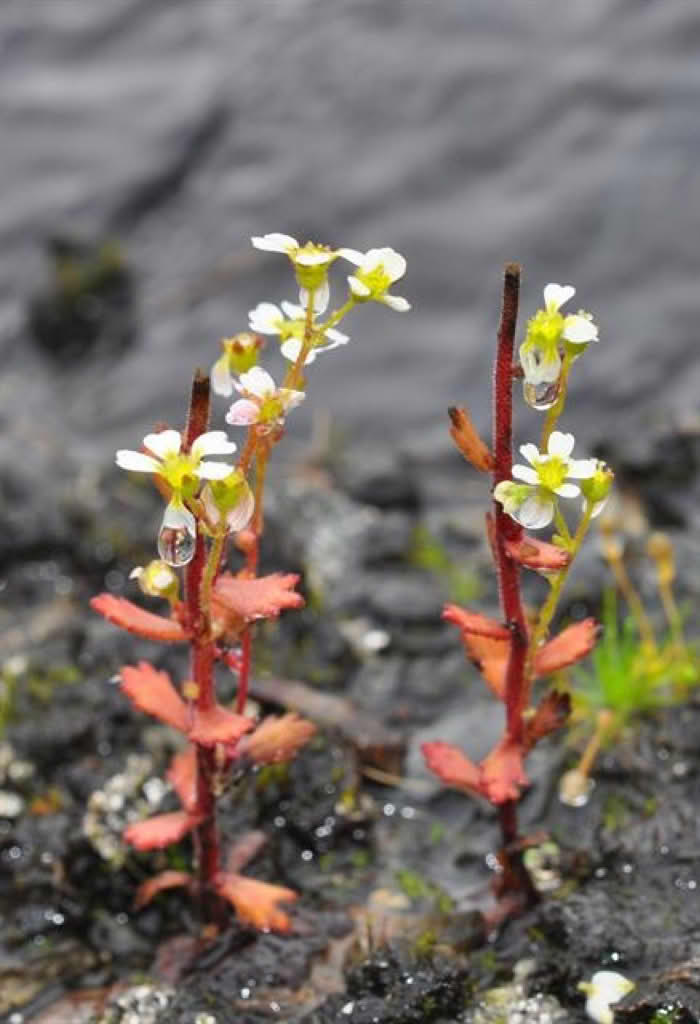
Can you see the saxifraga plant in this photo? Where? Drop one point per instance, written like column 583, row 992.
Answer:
column 511, row 654
column 211, row 507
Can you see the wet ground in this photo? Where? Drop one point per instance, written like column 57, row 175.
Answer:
column 393, row 878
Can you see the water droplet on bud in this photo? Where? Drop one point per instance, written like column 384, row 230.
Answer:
column 541, row 396
column 175, row 545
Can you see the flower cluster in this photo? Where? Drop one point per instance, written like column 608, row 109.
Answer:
column 549, row 331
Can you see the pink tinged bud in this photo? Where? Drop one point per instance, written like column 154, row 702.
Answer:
column 243, row 413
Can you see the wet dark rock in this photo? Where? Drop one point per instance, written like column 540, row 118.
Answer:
column 116, row 936
column 377, row 476
column 89, row 306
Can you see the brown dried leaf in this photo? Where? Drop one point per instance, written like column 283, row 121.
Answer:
column 551, row 714
column 465, row 436
column 256, row 902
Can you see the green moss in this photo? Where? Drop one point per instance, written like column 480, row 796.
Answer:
column 428, row 553
column 418, row 890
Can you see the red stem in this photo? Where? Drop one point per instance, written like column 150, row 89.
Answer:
column 202, row 655
column 506, row 528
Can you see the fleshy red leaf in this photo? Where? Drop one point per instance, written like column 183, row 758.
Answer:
column 164, row 829
column 568, row 647
column 130, row 617
column 262, row 598
column 551, row 714
column 537, row 554
column 502, row 773
column 182, row 776
column 153, row 692
column 277, row 739
column 490, row 657
column 465, row 436
column 475, row 624
column 217, row 725
column 256, row 902
column 159, row 883
column 451, row 765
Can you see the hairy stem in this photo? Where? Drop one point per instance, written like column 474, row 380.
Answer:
column 506, row 528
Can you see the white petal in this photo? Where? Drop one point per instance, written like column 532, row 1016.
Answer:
column 164, row 443
column 214, row 442
column 598, row 507
column 275, row 242
column 258, row 382
column 582, row 469
column 242, row 413
column 136, row 573
column 291, row 348
column 176, row 516
column 239, row 516
column 266, row 318
column 291, row 310
column 568, row 491
column 373, row 258
column 337, row 337
column 535, row 512
column 398, row 303
column 579, row 329
column 290, row 399
column 321, row 298
column 313, row 259
column 561, row 444
column 213, row 470
column 352, row 255
column 394, row 263
column 221, row 380
column 137, row 462
column 538, row 369
column 358, row 287
column 526, row 474
column 530, row 452
column 555, row 295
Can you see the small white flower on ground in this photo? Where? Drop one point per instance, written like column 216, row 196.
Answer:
column 548, row 330
column 532, row 502
column 604, row 990
column 263, row 403
column 377, row 270
column 167, row 459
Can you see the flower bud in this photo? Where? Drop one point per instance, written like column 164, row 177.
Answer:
column 157, row 579
column 597, row 487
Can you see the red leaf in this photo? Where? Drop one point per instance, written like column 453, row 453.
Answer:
column 490, row 657
column 537, row 554
column 263, row 598
column 182, row 776
column 164, row 829
column 568, row 647
column 129, row 616
column 451, row 765
column 277, row 739
column 551, row 713
column 217, row 725
column 465, row 436
column 475, row 624
column 159, row 883
column 502, row 773
column 153, row 692
column 256, row 902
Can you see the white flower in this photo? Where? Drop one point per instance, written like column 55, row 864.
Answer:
column 311, row 263
column 167, row 460
column 239, row 353
column 157, row 579
column 263, row 402
column 289, row 323
column 230, row 500
column 377, row 270
column 532, row 503
column 547, row 330
column 603, row 990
